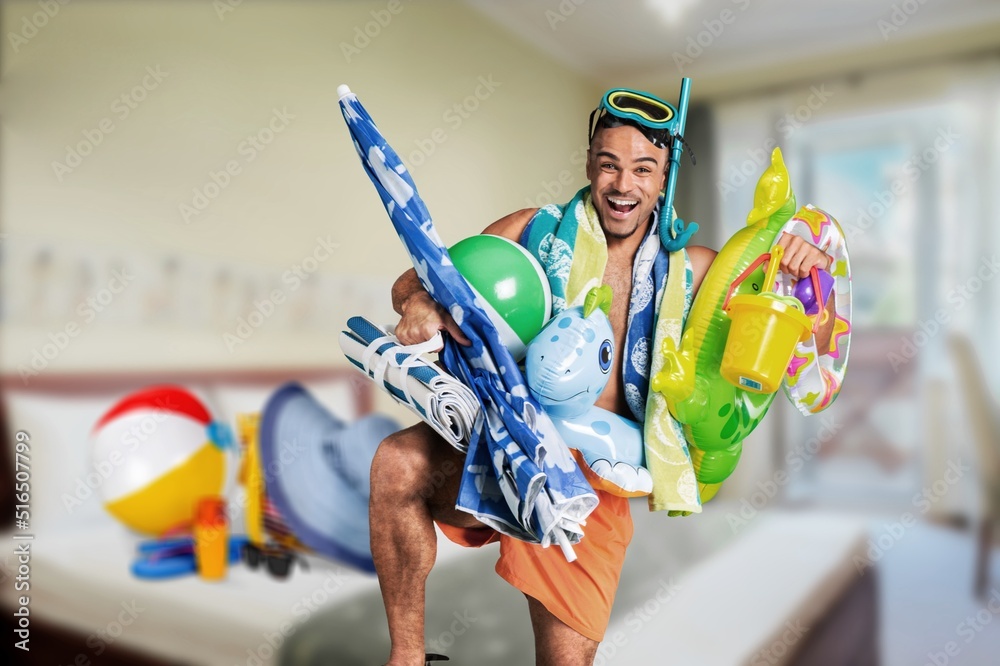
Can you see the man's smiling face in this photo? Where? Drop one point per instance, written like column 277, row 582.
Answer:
column 626, row 174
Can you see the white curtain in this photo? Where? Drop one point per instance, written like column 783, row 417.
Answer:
column 908, row 161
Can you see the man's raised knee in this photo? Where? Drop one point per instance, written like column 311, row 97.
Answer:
column 401, row 463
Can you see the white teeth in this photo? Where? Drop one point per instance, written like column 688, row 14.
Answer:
column 623, row 202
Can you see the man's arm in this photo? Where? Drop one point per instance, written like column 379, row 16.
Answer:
column 799, row 257
column 824, row 336
column 512, row 226
column 701, row 260
column 420, row 315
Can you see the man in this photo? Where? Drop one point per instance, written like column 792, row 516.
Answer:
column 569, row 603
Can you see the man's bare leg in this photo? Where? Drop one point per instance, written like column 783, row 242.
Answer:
column 556, row 644
column 414, row 481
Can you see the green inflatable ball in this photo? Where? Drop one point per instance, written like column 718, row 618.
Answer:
column 511, row 285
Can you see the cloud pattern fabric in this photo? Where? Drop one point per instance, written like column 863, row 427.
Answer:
column 519, row 476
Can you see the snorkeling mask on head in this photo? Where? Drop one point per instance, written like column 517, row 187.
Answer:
column 663, row 125
column 657, row 119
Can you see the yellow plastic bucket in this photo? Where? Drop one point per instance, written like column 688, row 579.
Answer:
column 762, row 336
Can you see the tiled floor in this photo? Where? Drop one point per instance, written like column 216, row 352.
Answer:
column 925, row 579
column 474, row 616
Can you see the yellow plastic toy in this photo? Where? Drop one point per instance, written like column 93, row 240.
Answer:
column 764, row 331
column 252, row 478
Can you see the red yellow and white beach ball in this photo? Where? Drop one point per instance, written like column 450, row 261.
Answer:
column 163, row 453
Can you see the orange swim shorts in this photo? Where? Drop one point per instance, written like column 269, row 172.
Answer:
column 579, row 593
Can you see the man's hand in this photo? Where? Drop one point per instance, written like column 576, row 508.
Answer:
column 800, row 256
column 422, row 317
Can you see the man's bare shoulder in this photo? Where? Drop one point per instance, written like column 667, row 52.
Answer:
column 512, row 226
column 701, row 260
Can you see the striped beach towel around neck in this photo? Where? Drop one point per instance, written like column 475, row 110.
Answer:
column 570, row 244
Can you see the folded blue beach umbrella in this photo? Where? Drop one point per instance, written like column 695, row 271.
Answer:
column 519, row 476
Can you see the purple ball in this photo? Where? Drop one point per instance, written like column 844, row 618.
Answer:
column 804, row 291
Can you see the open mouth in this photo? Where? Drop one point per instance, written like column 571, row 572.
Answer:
column 622, row 206
column 552, row 399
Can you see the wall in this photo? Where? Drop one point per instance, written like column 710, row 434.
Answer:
column 119, row 124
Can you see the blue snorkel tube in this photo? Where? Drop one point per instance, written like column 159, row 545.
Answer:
column 674, row 234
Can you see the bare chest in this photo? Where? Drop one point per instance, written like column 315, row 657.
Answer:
column 618, row 276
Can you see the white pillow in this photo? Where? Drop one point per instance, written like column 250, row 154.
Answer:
column 65, row 484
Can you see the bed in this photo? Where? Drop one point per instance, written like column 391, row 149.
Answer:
column 695, row 589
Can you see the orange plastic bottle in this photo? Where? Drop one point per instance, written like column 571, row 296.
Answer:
column 211, row 538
